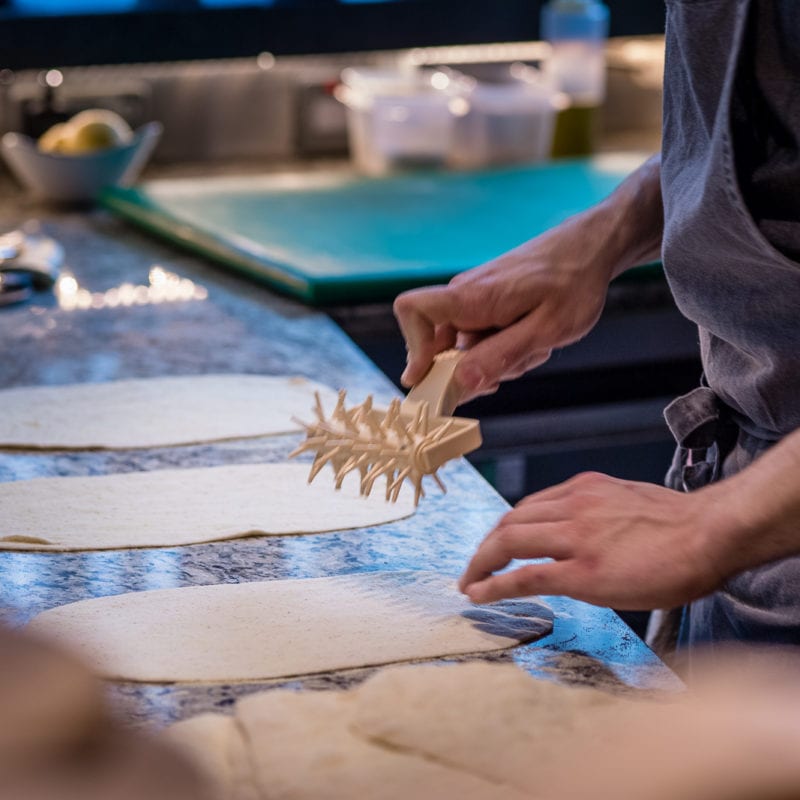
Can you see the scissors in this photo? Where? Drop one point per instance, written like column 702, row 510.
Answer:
column 28, row 262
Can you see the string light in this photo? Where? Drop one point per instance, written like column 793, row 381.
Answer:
column 163, row 287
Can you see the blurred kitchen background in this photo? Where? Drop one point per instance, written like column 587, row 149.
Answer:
column 243, row 85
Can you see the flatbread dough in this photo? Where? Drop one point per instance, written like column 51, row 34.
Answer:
column 215, row 744
column 155, row 412
column 530, row 723
column 165, row 508
column 257, row 631
column 300, row 745
column 422, row 731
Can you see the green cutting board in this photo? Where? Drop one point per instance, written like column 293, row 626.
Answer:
column 337, row 238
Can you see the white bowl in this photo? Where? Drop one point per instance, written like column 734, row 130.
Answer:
column 80, row 177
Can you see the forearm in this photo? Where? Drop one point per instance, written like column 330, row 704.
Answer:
column 631, row 219
column 761, row 508
column 600, row 243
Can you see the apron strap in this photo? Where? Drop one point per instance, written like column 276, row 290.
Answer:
column 693, row 418
column 706, row 431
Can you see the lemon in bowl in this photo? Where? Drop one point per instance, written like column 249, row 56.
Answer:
column 75, row 160
column 86, row 132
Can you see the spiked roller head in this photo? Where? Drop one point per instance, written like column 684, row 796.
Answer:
column 403, row 442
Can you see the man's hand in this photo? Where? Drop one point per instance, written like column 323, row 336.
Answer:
column 511, row 312
column 635, row 545
column 615, row 543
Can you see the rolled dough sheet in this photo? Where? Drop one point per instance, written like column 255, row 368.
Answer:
column 274, row 629
column 166, row 508
column 155, row 412
column 475, row 730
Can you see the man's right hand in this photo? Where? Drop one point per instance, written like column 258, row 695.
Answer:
column 509, row 313
column 513, row 311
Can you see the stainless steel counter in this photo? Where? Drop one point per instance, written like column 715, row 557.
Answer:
column 229, row 325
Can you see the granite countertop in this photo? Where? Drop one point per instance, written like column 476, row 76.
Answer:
column 230, row 325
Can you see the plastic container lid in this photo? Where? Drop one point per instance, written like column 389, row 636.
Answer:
column 574, row 19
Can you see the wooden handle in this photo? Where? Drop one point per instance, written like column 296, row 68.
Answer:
column 437, row 388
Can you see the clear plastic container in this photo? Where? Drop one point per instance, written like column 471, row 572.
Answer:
column 509, row 120
column 399, row 118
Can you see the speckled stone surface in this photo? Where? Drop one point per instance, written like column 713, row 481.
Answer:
column 240, row 327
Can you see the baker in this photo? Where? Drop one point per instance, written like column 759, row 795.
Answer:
column 721, row 206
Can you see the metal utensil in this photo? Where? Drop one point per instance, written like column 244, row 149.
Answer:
column 11, row 244
column 14, row 289
column 38, row 256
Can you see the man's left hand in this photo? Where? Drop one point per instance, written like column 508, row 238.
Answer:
column 616, row 543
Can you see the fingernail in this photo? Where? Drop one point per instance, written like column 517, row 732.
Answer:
column 404, row 377
column 473, row 591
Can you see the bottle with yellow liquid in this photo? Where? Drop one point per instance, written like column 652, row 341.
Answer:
column 577, row 31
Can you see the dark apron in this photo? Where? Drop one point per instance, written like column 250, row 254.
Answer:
column 743, row 293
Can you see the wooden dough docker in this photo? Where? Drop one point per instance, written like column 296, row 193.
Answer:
column 407, row 441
